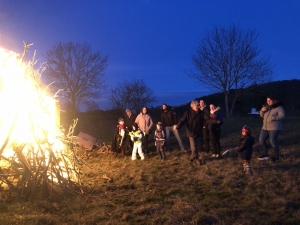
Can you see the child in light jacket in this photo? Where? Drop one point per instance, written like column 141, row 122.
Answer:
column 137, row 137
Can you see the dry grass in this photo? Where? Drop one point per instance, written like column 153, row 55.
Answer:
column 177, row 192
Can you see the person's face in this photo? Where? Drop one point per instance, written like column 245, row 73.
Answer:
column 144, row 110
column 158, row 127
column 128, row 113
column 121, row 122
column 195, row 107
column 164, row 107
column 212, row 107
column 202, row 104
column 269, row 101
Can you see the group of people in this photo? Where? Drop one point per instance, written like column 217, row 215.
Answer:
column 203, row 127
column 202, row 124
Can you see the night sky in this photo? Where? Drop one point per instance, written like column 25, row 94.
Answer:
column 152, row 40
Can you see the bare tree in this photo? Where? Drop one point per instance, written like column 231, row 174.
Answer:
column 77, row 71
column 228, row 60
column 131, row 94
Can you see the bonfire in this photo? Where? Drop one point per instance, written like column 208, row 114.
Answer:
column 37, row 158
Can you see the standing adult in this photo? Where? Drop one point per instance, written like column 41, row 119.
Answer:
column 272, row 114
column 204, row 143
column 193, row 118
column 214, row 126
column 145, row 123
column 169, row 119
column 128, row 122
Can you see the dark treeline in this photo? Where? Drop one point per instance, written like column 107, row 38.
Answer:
column 101, row 123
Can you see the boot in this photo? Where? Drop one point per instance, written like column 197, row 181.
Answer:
column 123, row 153
column 115, row 155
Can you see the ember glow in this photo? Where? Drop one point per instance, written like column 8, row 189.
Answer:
column 29, row 136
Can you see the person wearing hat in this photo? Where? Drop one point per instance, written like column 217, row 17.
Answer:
column 169, row 119
column 128, row 122
column 159, row 136
column 118, row 138
column 245, row 149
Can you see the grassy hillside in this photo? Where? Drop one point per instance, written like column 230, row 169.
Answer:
column 119, row 191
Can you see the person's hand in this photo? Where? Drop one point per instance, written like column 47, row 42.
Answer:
column 175, row 127
column 264, row 108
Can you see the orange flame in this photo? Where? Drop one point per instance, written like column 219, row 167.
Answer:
column 28, row 116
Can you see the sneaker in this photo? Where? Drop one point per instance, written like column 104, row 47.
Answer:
column 213, row 155
column 275, row 159
column 217, row 156
column 263, row 157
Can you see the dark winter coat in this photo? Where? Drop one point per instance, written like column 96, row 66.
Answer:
column 128, row 121
column 118, row 141
column 168, row 117
column 206, row 116
column 245, row 147
column 194, row 123
column 215, row 121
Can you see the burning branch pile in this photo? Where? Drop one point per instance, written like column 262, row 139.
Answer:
column 36, row 157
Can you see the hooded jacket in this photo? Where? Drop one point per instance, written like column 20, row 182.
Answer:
column 272, row 117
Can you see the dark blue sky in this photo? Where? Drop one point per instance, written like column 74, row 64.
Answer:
column 153, row 40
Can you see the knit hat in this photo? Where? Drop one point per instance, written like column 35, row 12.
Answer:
column 246, row 129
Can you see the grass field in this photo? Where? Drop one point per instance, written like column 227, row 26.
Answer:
column 121, row 191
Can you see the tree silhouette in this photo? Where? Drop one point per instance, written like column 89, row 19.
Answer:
column 228, row 59
column 77, row 72
column 131, row 94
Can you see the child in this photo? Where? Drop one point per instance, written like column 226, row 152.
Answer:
column 118, row 139
column 137, row 137
column 159, row 136
column 245, row 149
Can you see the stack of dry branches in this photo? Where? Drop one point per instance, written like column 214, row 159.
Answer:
column 41, row 171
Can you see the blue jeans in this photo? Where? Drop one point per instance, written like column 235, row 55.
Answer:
column 273, row 135
column 176, row 134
